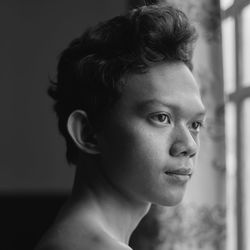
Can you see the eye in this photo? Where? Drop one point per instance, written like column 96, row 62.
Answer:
column 160, row 118
column 196, row 125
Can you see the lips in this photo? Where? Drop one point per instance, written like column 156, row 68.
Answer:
column 178, row 176
column 180, row 171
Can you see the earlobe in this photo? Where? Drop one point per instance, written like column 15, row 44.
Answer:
column 81, row 132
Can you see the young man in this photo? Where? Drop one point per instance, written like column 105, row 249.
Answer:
column 131, row 112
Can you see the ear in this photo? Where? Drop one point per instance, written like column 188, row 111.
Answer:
column 81, row 132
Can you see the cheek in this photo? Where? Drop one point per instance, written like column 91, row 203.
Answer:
column 135, row 144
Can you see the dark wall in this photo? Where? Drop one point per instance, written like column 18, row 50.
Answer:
column 24, row 218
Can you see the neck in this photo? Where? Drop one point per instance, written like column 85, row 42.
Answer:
column 116, row 212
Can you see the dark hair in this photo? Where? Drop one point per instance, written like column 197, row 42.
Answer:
column 90, row 70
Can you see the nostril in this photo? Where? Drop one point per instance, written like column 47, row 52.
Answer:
column 184, row 153
column 192, row 155
column 187, row 154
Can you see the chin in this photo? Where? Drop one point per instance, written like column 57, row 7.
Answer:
column 171, row 203
column 171, row 199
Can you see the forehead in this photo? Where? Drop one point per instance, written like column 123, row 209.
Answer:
column 172, row 84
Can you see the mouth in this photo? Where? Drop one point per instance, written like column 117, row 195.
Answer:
column 180, row 175
column 181, row 171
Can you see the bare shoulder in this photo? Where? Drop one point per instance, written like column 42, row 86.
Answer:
column 79, row 228
column 64, row 238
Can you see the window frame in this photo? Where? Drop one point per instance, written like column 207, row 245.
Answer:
column 237, row 97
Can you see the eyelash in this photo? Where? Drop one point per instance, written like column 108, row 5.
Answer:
column 166, row 118
column 200, row 125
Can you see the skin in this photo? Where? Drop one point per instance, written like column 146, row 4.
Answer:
column 144, row 153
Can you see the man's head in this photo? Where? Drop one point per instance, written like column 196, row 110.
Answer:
column 92, row 71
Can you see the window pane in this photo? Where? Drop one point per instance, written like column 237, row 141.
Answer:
column 246, row 169
column 228, row 47
column 224, row 4
column 230, row 112
column 246, row 45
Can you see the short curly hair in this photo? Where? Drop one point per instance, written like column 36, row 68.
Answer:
column 91, row 68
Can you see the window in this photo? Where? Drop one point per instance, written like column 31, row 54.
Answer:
column 236, row 72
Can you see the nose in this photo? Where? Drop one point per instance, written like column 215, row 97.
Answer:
column 184, row 144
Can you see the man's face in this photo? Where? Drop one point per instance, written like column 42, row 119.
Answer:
column 149, row 144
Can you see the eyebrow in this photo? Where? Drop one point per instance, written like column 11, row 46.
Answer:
column 170, row 105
